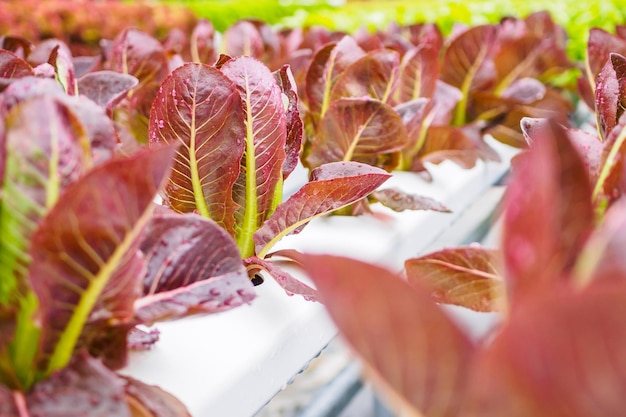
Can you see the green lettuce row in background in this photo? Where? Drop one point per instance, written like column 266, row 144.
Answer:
column 577, row 17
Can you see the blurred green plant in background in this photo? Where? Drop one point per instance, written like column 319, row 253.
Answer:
column 577, row 17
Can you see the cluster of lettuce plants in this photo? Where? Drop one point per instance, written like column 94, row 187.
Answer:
column 145, row 183
column 87, row 255
column 558, row 281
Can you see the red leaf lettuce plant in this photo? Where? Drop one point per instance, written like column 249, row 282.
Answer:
column 400, row 98
column 240, row 132
column 560, row 348
column 82, row 258
column 558, row 281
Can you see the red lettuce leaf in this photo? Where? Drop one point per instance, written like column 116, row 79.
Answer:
column 467, row 64
column 285, row 80
column 85, row 241
column 405, row 340
column 332, row 186
column 17, row 44
column 106, row 88
column 84, row 388
column 327, row 65
column 98, row 127
column 8, row 325
column 107, row 341
column 139, row 339
column 445, row 100
column 399, row 200
column 199, row 108
column 611, row 93
column 468, row 277
column 43, row 155
column 373, row 75
column 541, row 24
column 151, row 401
column 203, row 43
column 112, row 317
column 221, row 293
column 419, row 71
column 417, row 116
column 358, row 129
column 7, row 402
column 136, row 53
column 139, row 54
column 84, row 65
column 525, row 57
column 561, row 355
column 243, row 38
column 548, row 216
column 610, row 184
column 61, row 59
column 27, row 88
column 599, row 46
column 449, row 143
column 552, row 105
column 11, row 67
column 259, row 186
column 193, row 266
column 588, row 145
column 602, row 258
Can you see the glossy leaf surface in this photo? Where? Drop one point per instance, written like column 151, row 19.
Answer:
column 265, row 138
column 199, row 108
column 610, row 183
column 395, row 328
column 294, row 124
column 467, row 277
column 611, row 93
column 599, row 46
column 194, row 254
column 331, row 187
